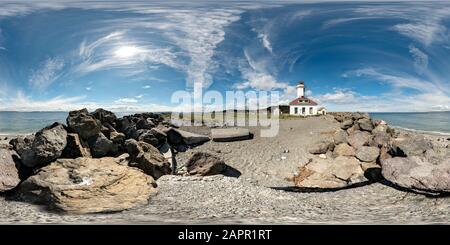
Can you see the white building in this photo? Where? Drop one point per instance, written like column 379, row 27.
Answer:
column 302, row 106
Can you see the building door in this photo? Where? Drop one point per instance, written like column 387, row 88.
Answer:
column 295, row 110
column 303, row 110
column 310, row 110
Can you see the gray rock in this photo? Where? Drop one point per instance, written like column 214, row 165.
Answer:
column 380, row 139
column 367, row 153
column 87, row 185
column 102, row 146
column 148, row 137
column 84, row 124
column 177, row 137
column 147, row 158
column 359, row 138
column 346, row 124
column 44, row 147
column 203, row 164
column 410, row 145
column 145, row 123
column 365, row 124
column 335, row 173
column 229, row 134
column 417, row 174
column 343, row 149
column 117, row 138
column 340, row 136
column 104, row 116
column 353, row 129
column 9, row 174
column 321, row 147
column 75, row 147
column 381, row 128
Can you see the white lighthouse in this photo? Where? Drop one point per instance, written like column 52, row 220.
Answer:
column 303, row 106
column 300, row 89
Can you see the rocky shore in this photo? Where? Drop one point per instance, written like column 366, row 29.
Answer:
column 103, row 169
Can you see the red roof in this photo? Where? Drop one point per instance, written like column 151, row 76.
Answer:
column 302, row 101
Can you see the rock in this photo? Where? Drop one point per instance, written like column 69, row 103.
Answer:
column 159, row 134
column 147, row 158
column 229, row 134
column 415, row 145
column 148, row 137
column 104, row 116
column 9, row 174
column 367, row 153
column 382, row 128
column 42, row 148
column 166, row 152
column 346, row 124
column 372, row 171
column 177, row 137
column 203, row 164
column 323, row 156
column 335, row 173
column 359, row 138
column 102, row 146
column 416, row 174
column 117, row 138
column 380, row 139
column 75, row 147
column 321, row 147
column 84, row 124
column 145, row 124
column 384, row 153
column 340, row 136
column 365, row 124
column 353, row 129
column 343, row 149
column 88, row 185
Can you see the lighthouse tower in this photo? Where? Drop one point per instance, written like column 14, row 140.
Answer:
column 300, row 89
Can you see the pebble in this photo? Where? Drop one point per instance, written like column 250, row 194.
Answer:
column 323, row 156
column 283, row 157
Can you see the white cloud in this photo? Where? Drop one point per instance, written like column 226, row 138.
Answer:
column 146, row 87
column 126, row 101
column 335, row 22
column 20, row 102
column 2, row 48
column 139, row 96
column 420, row 59
column 340, row 96
column 88, row 88
column 425, row 33
column 396, row 81
column 265, row 41
column 46, row 74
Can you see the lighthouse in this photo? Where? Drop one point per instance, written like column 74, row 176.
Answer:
column 300, row 89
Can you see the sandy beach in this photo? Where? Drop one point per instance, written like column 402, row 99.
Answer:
column 261, row 194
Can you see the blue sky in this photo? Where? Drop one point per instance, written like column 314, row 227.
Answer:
column 365, row 56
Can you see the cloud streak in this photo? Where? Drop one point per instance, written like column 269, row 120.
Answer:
column 46, row 74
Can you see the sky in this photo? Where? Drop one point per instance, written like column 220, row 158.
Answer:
column 133, row 56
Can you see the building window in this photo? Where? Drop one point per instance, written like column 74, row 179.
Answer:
column 295, row 110
column 310, row 110
column 303, row 110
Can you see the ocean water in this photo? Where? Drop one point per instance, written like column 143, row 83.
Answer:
column 431, row 122
column 30, row 122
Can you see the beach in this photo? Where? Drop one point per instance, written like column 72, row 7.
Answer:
column 262, row 194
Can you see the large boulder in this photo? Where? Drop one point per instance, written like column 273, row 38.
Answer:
column 202, row 163
column 335, row 173
column 104, row 116
column 359, row 138
column 177, row 137
column 102, row 146
column 417, row 174
column 380, row 139
column 88, row 185
column 147, row 158
column 321, row 147
column 410, row 145
column 84, row 124
column 229, row 134
column 368, row 153
column 343, row 149
column 42, row 148
column 9, row 174
column 149, row 137
column 365, row 124
column 346, row 124
column 75, row 147
column 340, row 136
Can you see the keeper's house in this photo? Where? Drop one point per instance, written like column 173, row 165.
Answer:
column 302, row 106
